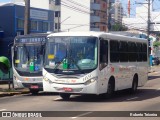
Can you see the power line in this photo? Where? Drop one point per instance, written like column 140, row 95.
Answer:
column 76, row 3
column 148, row 23
column 116, row 21
column 74, row 7
column 81, row 11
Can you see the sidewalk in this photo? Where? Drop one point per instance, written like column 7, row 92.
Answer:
column 5, row 91
column 154, row 69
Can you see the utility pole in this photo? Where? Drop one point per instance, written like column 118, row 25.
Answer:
column 148, row 31
column 149, row 22
column 27, row 17
column 149, row 16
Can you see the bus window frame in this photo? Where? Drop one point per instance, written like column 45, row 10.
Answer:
column 104, row 63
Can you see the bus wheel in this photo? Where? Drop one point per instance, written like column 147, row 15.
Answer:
column 110, row 89
column 65, row 96
column 133, row 89
column 34, row 92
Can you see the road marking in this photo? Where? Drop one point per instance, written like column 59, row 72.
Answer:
column 58, row 98
column 81, row 115
column 3, row 109
column 154, row 73
column 132, row 98
column 158, row 89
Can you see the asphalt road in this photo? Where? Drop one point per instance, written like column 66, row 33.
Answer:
column 146, row 99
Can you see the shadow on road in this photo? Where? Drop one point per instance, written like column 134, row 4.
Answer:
column 42, row 94
column 119, row 96
column 153, row 77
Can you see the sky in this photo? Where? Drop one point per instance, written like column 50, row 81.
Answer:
column 5, row 0
column 156, row 5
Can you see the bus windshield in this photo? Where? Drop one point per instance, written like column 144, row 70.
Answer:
column 71, row 54
column 28, row 58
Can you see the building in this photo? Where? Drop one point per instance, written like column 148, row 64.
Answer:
column 118, row 12
column 75, row 15
column 42, row 4
column 12, row 23
column 115, row 13
column 111, row 13
column 69, row 14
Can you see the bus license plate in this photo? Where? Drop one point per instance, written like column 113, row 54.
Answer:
column 67, row 89
column 34, row 86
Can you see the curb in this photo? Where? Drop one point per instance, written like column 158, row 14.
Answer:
column 152, row 71
column 3, row 94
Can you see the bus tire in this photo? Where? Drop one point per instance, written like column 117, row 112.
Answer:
column 133, row 89
column 34, row 92
column 110, row 89
column 65, row 96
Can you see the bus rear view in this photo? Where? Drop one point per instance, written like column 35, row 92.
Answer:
column 27, row 61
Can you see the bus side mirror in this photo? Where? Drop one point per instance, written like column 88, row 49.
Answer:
column 4, row 64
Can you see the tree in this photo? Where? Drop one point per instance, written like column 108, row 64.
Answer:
column 156, row 44
column 118, row 27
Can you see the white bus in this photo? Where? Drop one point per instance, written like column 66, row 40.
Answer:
column 27, row 61
column 94, row 63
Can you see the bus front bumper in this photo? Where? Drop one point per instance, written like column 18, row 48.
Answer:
column 35, row 86
column 70, row 88
column 31, row 85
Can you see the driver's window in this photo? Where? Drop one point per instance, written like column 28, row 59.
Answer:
column 103, row 53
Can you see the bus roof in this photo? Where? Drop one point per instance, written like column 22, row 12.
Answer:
column 99, row 34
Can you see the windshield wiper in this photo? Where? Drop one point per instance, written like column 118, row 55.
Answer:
column 71, row 60
column 58, row 64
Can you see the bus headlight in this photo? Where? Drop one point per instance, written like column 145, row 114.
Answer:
column 45, row 78
column 91, row 80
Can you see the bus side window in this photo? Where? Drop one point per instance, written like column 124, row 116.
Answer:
column 103, row 53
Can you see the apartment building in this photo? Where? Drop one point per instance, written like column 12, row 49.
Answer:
column 75, row 15
column 118, row 12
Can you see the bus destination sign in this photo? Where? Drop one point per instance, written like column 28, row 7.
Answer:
column 31, row 40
